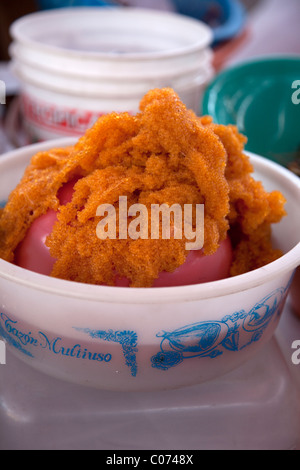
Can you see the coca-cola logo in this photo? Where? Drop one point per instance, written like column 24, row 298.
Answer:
column 64, row 120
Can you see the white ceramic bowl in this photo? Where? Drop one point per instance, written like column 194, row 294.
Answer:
column 146, row 339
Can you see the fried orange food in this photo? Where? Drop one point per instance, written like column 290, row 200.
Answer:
column 164, row 154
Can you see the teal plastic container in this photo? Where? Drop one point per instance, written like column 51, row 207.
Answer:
column 262, row 98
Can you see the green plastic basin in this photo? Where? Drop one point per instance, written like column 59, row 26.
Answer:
column 262, row 98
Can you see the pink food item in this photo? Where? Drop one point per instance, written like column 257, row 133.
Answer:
column 199, row 268
column 34, row 255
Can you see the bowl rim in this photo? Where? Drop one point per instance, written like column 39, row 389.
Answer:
column 205, row 40
column 159, row 295
column 211, row 93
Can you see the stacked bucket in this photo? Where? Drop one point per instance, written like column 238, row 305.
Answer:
column 76, row 64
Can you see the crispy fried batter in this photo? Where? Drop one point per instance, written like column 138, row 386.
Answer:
column 164, row 154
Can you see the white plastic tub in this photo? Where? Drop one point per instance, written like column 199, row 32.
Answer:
column 76, row 64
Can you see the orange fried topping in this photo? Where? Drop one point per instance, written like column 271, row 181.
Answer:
column 164, row 154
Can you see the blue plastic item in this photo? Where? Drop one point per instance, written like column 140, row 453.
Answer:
column 225, row 17
column 49, row 4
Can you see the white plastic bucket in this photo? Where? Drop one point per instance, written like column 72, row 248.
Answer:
column 76, row 64
column 49, row 113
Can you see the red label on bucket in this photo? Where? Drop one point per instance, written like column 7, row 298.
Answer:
column 63, row 120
